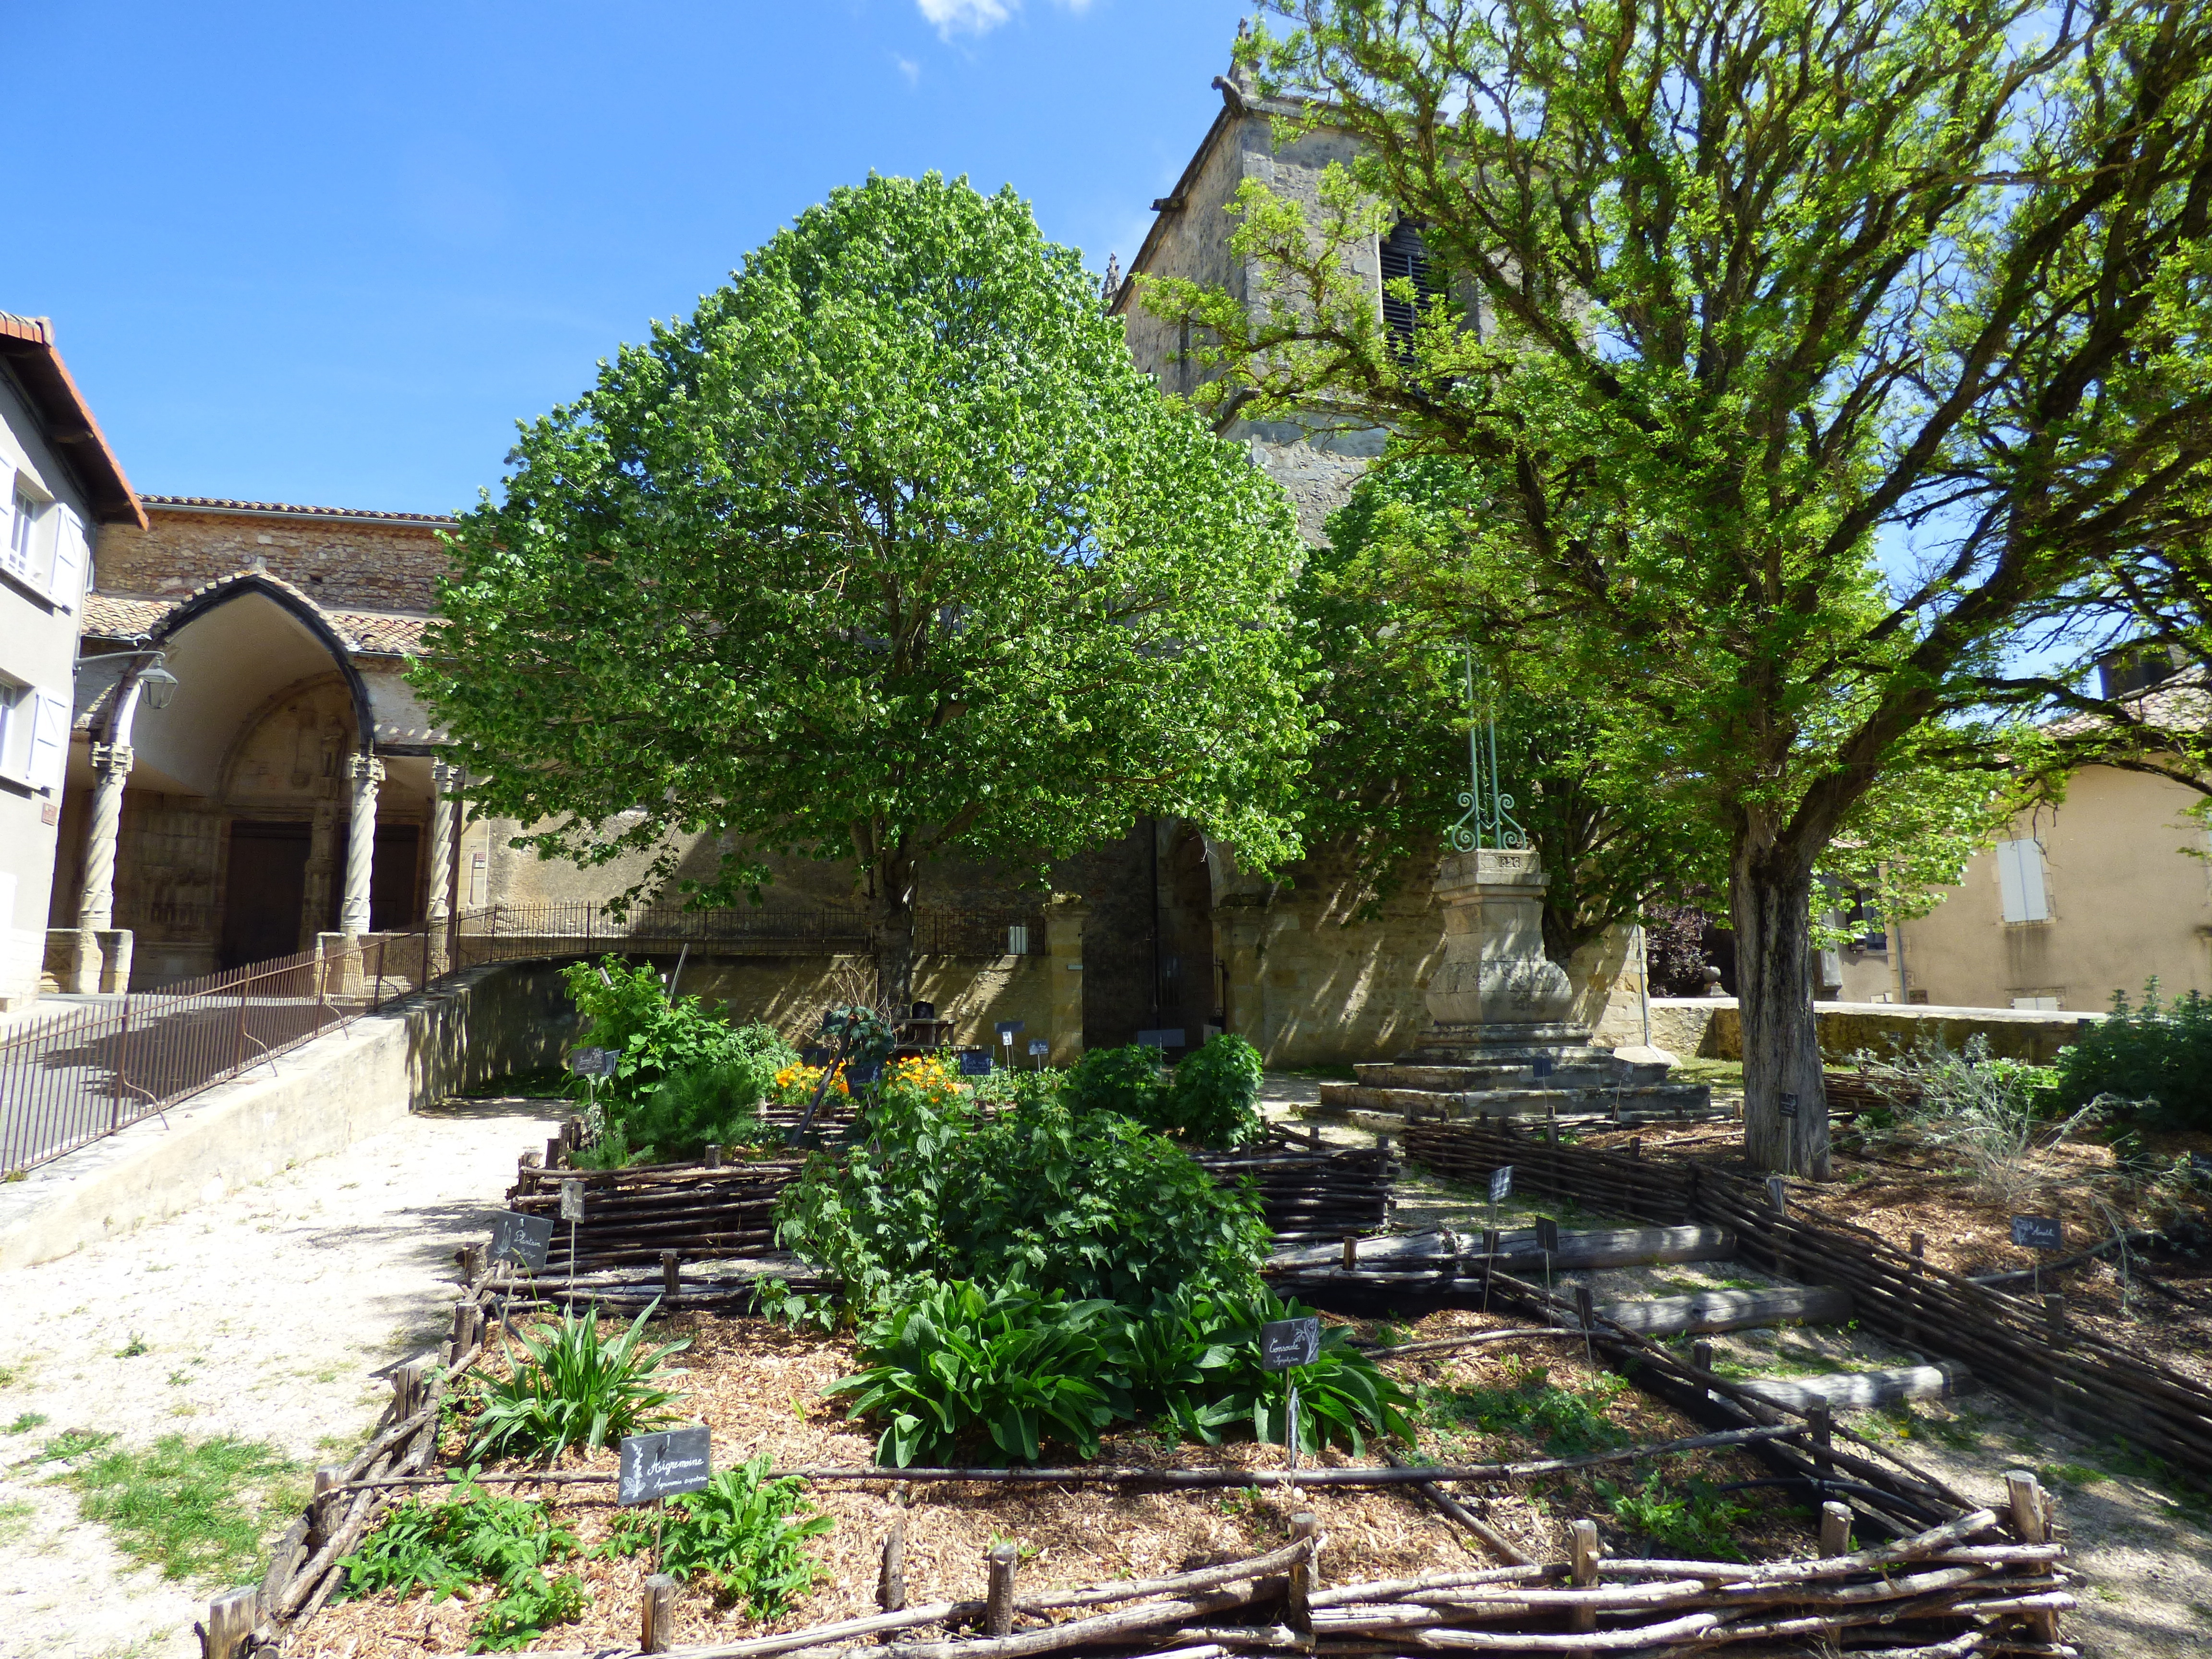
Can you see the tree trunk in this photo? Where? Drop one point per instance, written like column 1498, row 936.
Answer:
column 892, row 919
column 1785, row 1107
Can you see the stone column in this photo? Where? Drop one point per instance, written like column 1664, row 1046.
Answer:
column 1496, row 982
column 364, row 773
column 96, row 905
column 1064, row 917
column 441, row 843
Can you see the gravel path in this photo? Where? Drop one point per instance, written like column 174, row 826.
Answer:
column 274, row 1316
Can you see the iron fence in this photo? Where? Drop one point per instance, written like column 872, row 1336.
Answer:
column 73, row 1072
column 76, row 1072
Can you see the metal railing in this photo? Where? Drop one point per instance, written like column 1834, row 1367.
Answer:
column 80, row 1070
column 77, row 1071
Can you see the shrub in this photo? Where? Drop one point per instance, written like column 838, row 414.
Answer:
column 1129, row 1081
column 954, row 1360
column 1009, row 1085
column 1215, row 1098
column 572, row 1388
column 1092, row 1207
column 1993, row 1114
column 1095, row 1206
column 1343, row 1396
column 2155, row 1054
column 468, row 1537
column 627, row 1009
column 745, row 1532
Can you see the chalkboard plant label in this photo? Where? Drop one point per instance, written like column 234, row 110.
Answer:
column 521, row 1238
column 663, row 1465
column 572, row 1201
column 975, row 1062
column 1547, row 1235
column 1287, row 1342
column 1786, row 1104
column 1501, row 1184
column 2036, row 1232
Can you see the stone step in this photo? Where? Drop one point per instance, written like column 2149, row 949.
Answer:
column 1616, row 1247
column 1395, row 1123
column 1460, row 1079
column 1646, row 1099
column 1730, row 1310
column 1852, row 1390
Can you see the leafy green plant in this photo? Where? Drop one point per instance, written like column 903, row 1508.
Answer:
column 2155, row 1054
column 1694, row 1518
column 627, row 1009
column 1009, row 1085
column 466, row 1536
column 954, row 1360
column 1215, row 1098
column 1130, row 1081
column 572, row 1387
column 744, row 1532
column 1344, row 1395
column 192, row 1508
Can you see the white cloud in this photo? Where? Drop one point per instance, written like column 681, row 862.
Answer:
column 973, row 16
column 910, row 69
column 980, row 17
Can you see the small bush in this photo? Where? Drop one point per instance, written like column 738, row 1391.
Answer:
column 1129, row 1081
column 1693, row 1519
column 1343, row 1396
column 571, row 1387
column 1215, row 1098
column 627, row 1009
column 1009, row 1085
column 471, row 1536
column 1995, row 1115
column 955, row 1360
column 2156, row 1055
column 745, row 1532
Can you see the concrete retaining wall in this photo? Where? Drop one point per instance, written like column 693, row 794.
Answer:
column 320, row 1098
column 1713, row 1027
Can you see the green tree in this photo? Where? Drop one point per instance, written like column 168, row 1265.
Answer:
column 1813, row 346
column 888, row 552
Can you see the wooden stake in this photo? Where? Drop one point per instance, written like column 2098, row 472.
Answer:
column 891, row 1581
column 466, row 1317
column 407, row 1390
column 714, row 1156
column 470, row 1257
column 1305, row 1575
column 1351, row 1250
column 554, row 1149
column 229, row 1624
column 327, row 1475
column 2024, row 1496
column 2054, row 1313
column 657, row 1614
column 1701, row 1356
column 1006, row 1560
column 1835, row 1529
column 671, row 1272
column 1582, row 1571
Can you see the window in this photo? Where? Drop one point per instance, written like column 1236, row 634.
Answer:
column 34, row 727
column 2019, row 881
column 1406, row 257
column 2040, row 1002
column 25, row 509
column 1018, row 939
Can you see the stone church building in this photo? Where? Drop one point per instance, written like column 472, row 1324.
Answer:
column 289, row 788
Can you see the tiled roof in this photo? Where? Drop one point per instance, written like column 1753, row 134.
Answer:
column 28, row 344
column 371, row 632
column 223, row 504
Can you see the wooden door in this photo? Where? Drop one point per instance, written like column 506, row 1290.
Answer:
column 264, row 893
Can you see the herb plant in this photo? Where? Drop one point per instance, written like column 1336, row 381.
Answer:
column 1215, row 1098
column 2154, row 1053
column 1694, row 1518
column 1344, row 1395
column 744, row 1532
column 1129, row 1081
column 470, row 1536
column 573, row 1388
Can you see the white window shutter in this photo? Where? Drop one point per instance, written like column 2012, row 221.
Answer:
column 2019, row 881
column 65, row 578
column 50, row 735
column 2008, row 888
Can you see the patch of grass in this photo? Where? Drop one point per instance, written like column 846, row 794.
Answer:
column 192, row 1508
column 14, row 1520
column 25, row 1423
column 1564, row 1421
column 136, row 1346
column 2068, row 1474
column 1322, row 1073
column 73, row 1444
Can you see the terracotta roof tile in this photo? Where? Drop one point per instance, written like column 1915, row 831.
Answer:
column 371, row 632
column 224, row 504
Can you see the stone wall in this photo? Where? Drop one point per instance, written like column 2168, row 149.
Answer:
column 369, row 563
column 1713, row 1027
column 790, row 993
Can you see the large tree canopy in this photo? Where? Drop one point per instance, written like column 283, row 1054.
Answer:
column 887, row 552
column 1817, row 344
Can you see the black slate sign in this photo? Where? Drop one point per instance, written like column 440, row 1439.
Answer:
column 1501, row 1184
column 1287, row 1342
column 859, row 1076
column 522, row 1238
column 595, row 1062
column 1541, row 1068
column 1547, row 1235
column 975, row 1062
column 663, row 1465
column 1786, row 1104
column 2036, row 1232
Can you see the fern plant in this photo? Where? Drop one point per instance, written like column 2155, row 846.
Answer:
column 744, row 1532
column 573, row 1388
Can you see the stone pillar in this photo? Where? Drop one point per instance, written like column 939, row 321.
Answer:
column 1496, row 982
column 322, row 857
column 364, row 773
column 96, row 905
column 441, row 843
column 1241, row 925
column 1065, row 915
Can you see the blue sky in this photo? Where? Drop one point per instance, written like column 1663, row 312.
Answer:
column 332, row 253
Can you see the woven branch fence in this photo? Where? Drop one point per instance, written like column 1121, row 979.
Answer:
column 1970, row 1581
column 2023, row 1350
